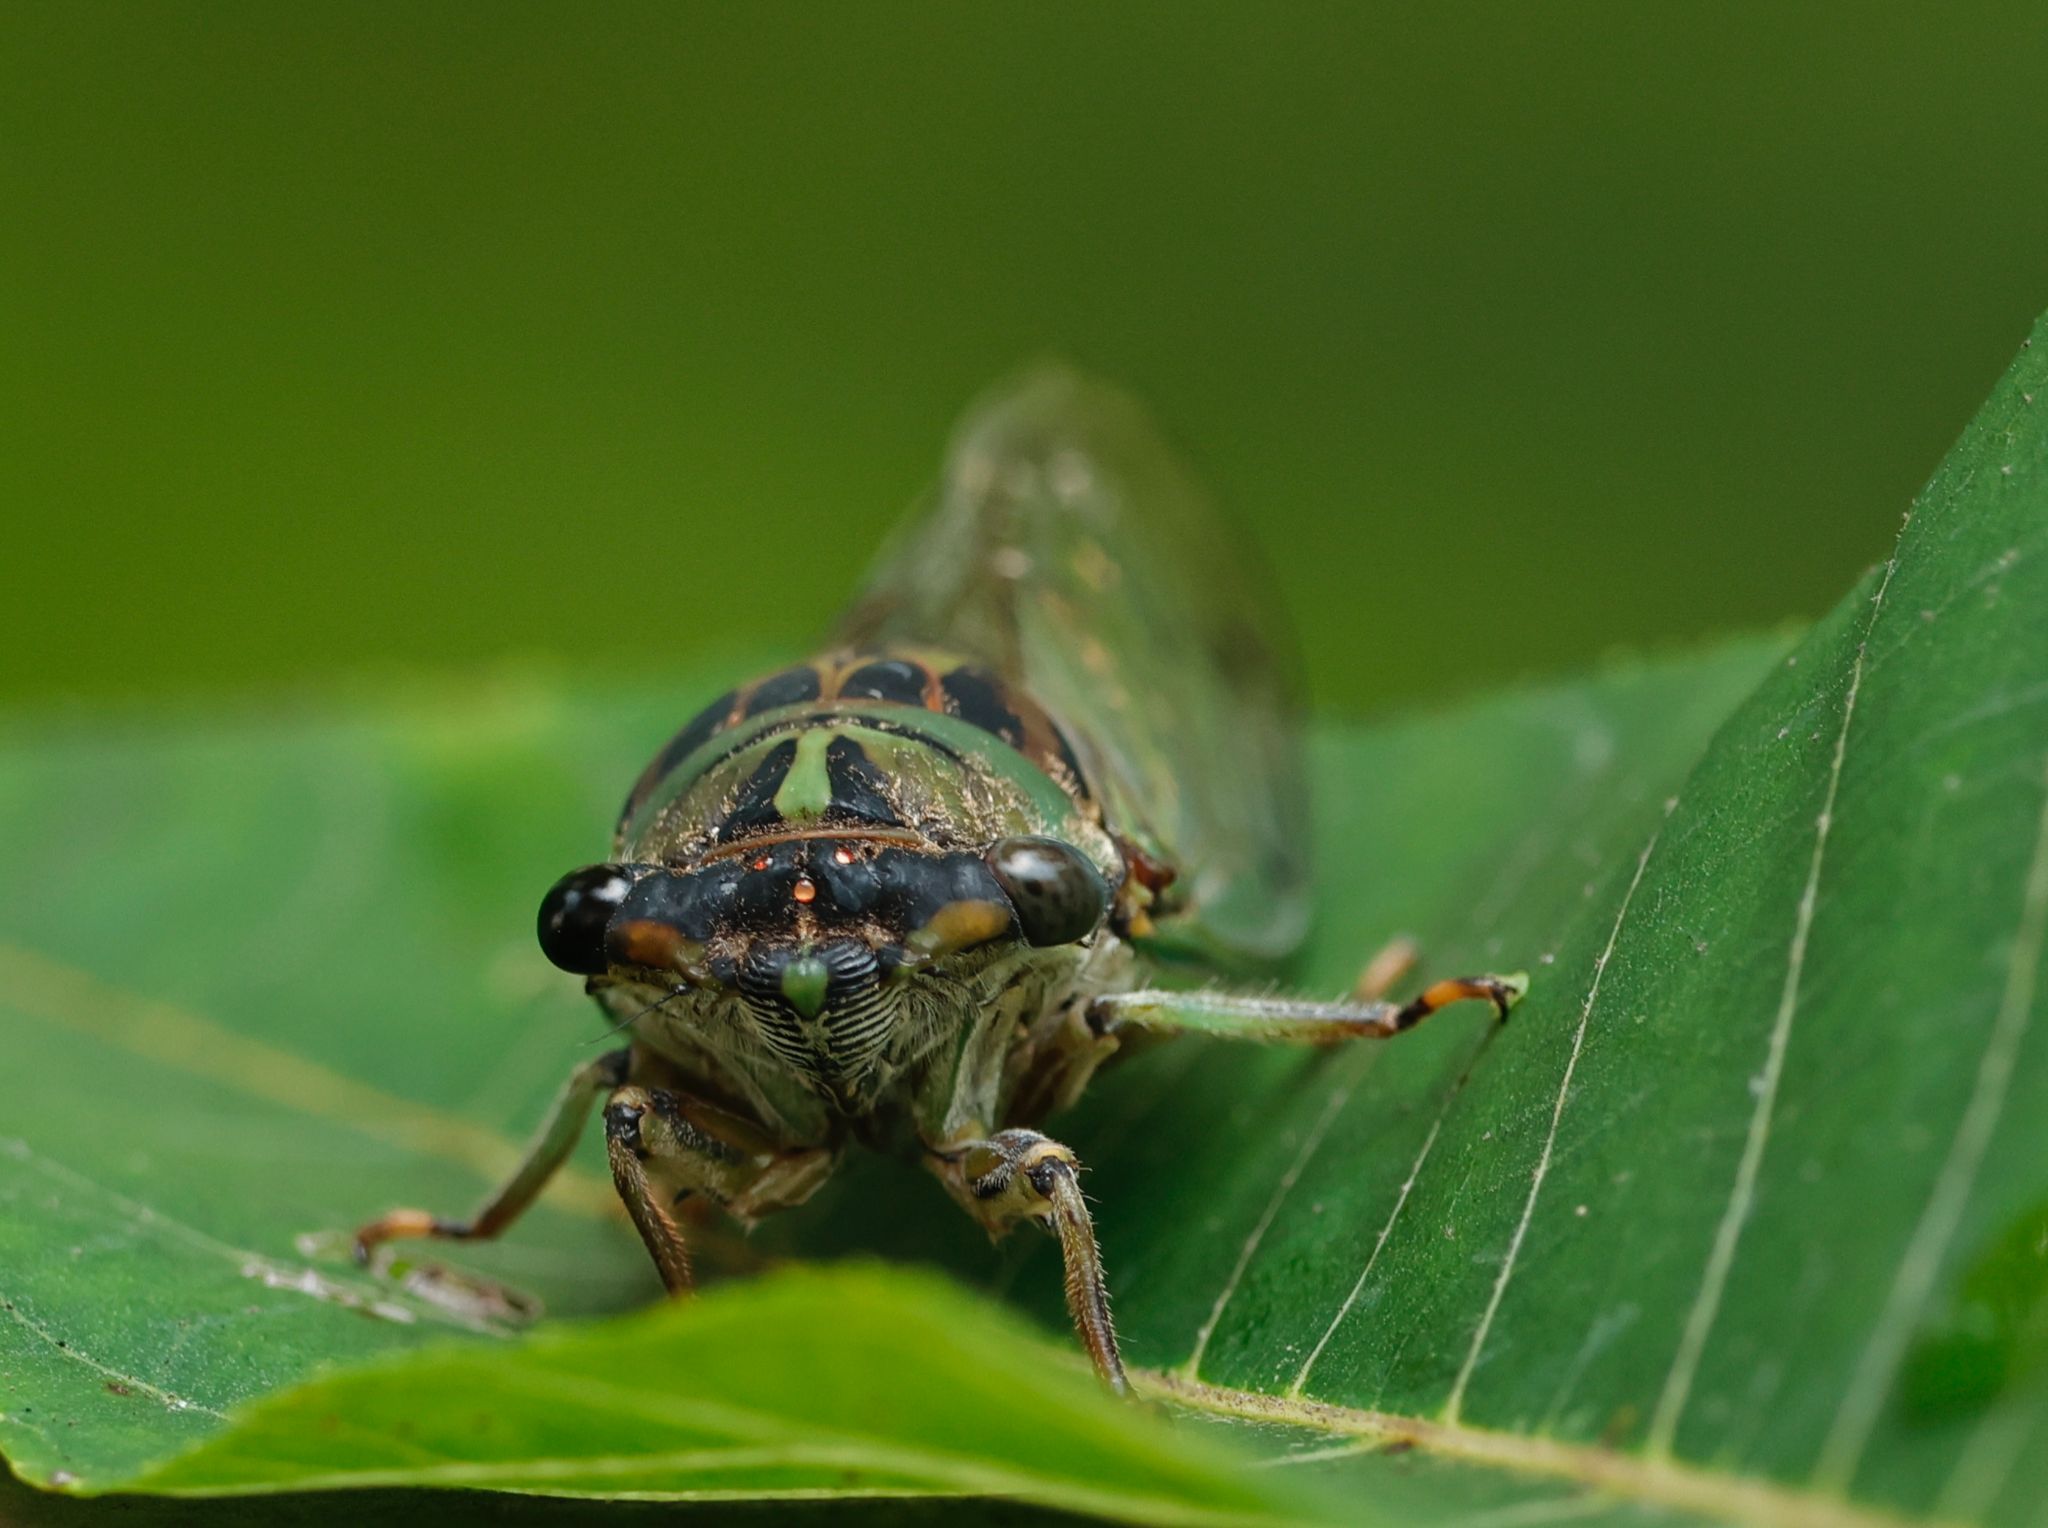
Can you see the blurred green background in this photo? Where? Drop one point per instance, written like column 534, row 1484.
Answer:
column 345, row 337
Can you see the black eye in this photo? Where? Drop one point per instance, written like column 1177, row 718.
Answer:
column 573, row 916
column 1058, row 895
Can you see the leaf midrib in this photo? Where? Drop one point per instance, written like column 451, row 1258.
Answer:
column 1660, row 1481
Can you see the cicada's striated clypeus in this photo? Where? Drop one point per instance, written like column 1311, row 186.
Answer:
column 912, row 894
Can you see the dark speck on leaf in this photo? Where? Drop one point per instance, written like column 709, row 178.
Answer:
column 115, row 1387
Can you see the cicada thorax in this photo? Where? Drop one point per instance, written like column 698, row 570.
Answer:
column 837, row 853
column 882, row 686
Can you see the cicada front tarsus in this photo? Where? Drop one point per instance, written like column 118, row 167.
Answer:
column 912, row 894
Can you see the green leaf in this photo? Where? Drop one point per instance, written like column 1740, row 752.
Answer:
column 853, row 1382
column 1738, row 1218
column 293, row 985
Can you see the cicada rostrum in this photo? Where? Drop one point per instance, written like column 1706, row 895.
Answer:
column 910, row 895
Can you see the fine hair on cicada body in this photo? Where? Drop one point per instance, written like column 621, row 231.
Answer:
column 912, row 894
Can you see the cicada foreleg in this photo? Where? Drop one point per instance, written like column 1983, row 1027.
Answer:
column 1017, row 1175
column 664, row 1147
column 1249, row 1016
column 550, row 1149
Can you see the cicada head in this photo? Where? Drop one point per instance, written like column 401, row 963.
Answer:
column 822, row 939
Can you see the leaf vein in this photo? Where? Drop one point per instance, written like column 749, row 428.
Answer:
column 393, row 1303
column 1386, row 1230
column 1918, row 1269
column 1339, row 1097
column 1706, row 1306
column 165, row 1033
column 67, row 1350
column 1660, row 1482
column 1986, row 1463
column 1455, row 1403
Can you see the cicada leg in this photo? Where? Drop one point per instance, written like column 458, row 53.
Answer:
column 550, row 1149
column 1246, row 1016
column 665, row 1146
column 1019, row 1175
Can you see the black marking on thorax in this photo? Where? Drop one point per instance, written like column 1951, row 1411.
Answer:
column 978, row 698
column 860, row 790
column 755, row 810
column 974, row 694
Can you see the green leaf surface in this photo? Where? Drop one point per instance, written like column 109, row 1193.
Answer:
column 1739, row 1218
column 267, row 1069
column 852, row 1382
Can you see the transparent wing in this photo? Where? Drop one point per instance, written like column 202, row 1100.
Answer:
column 1068, row 549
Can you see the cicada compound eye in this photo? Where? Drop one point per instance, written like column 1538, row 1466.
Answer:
column 573, row 916
column 1056, row 891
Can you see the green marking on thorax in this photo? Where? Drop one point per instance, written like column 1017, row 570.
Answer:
column 804, row 981
column 806, row 791
column 734, row 753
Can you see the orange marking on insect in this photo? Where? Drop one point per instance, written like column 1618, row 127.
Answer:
column 761, row 862
column 804, row 890
column 842, row 856
column 1152, row 874
column 644, row 942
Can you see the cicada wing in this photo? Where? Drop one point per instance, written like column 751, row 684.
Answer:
column 1069, row 549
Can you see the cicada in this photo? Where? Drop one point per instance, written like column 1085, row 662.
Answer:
column 912, row 894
